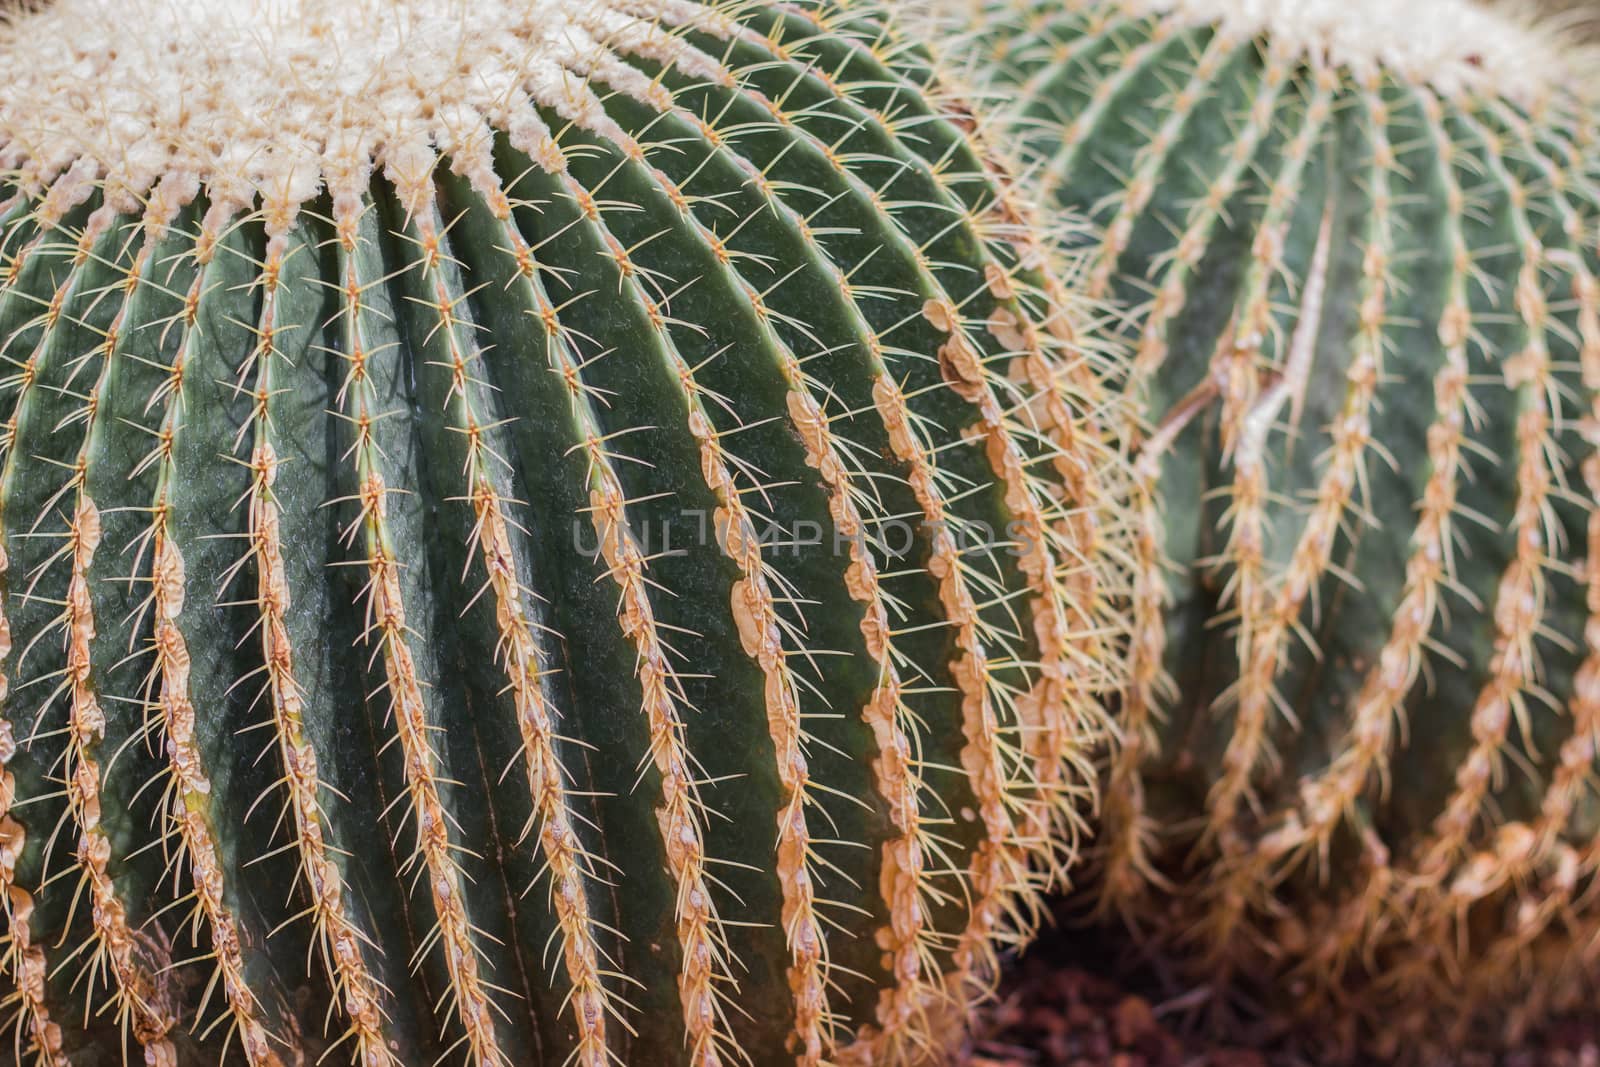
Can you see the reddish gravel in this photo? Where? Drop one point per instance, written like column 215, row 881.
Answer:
column 1052, row 1016
column 1053, row 1012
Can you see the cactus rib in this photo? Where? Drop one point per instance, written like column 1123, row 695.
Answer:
column 25, row 959
column 338, row 935
column 114, row 939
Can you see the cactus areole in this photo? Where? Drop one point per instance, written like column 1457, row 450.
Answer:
column 554, row 532
column 1358, row 244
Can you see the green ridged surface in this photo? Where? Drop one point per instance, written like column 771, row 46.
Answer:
column 1359, row 772
column 359, row 474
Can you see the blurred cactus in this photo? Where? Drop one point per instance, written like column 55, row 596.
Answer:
column 559, row 532
column 1357, row 243
column 1575, row 19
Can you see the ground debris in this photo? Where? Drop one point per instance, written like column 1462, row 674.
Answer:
column 1055, row 1014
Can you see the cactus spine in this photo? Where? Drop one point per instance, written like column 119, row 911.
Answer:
column 1358, row 243
column 533, row 533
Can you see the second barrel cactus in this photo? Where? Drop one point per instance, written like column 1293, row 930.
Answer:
column 1356, row 245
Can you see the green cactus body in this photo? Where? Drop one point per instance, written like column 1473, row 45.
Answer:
column 1357, row 244
column 533, row 534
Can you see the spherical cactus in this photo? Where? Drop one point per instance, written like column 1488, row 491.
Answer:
column 548, row 532
column 1357, row 246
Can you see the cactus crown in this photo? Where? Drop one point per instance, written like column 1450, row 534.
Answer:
column 1358, row 246
column 1455, row 46
column 270, row 101
column 590, row 523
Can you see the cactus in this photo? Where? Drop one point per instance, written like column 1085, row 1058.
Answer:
column 534, row 533
column 1356, row 245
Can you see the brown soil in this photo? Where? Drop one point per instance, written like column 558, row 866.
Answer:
column 1063, row 1005
column 1052, row 1016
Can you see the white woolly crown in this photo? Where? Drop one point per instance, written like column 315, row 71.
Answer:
column 1454, row 45
column 274, row 98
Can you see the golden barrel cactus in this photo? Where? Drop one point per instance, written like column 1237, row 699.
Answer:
column 546, row 532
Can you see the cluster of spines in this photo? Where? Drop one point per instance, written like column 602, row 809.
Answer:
column 1300, row 785
column 433, row 861
column 190, row 832
column 1024, row 634
column 36, row 1033
column 681, row 811
column 1273, row 609
column 1449, row 876
column 114, row 940
column 339, row 938
column 570, row 869
column 1044, row 426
